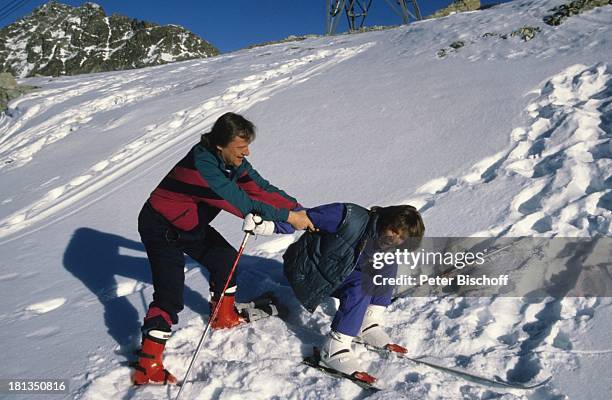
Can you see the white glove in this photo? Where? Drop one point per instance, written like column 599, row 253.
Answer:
column 257, row 226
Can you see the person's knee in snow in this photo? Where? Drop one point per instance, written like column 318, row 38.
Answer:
column 347, row 243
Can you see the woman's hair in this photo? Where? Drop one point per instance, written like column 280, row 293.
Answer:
column 401, row 218
column 226, row 128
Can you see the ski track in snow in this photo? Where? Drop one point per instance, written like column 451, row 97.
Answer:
column 9, row 277
column 161, row 141
column 44, row 332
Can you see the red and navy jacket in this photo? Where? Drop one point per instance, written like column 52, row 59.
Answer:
column 201, row 185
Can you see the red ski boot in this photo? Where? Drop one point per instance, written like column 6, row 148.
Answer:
column 227, row 317
column 150, row 367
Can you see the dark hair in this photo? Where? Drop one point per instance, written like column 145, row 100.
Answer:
column 401, row 218
column 226, row 128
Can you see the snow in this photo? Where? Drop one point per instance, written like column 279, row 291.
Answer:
column 18, row 51
column 166, row 57
column 107, row 49
column 498, row 138
column 46, row 306
column 74, row 20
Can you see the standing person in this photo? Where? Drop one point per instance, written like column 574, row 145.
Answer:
column 336, row 261
column 214, row 175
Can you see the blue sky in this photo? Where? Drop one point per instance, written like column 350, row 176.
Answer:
column 232, row 25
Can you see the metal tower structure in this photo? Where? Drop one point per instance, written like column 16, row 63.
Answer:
column 357, row 10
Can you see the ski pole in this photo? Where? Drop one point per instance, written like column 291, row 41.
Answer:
column 214, row 314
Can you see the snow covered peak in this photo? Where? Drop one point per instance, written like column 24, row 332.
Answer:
column 51, row 6
column 57, row 39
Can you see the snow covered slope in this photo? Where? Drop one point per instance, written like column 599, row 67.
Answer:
column 499, row 137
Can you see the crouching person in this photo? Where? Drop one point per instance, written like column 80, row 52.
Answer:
column 335, row 261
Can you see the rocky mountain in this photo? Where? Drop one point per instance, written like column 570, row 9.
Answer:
column 58, row 39
column 455, row 7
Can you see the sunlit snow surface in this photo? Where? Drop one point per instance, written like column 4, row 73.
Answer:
column 501, row 137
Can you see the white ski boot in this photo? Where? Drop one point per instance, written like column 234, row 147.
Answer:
column 373, row 333
column 337, row 354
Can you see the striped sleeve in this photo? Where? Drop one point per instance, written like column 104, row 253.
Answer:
column 264, row 184
column 234, row 197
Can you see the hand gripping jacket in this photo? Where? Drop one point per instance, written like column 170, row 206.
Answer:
column 200, row 185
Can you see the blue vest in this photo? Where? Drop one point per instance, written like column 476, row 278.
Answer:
column 319, row 262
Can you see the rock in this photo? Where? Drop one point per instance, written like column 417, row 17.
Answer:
column 7, row 81
column 457, row 44
column 564, row 11
column 526, row 33
column 9, row 89
column 455, row 7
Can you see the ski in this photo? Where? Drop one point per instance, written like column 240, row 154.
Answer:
column 482, row 380
column 314, row 362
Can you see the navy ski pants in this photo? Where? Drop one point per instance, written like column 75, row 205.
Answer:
column 354, row 304
column 357, row 292
column 166, row 246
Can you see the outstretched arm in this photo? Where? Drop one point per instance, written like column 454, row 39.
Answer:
column 231, row 197
column 264, row 184
column 326, row 218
